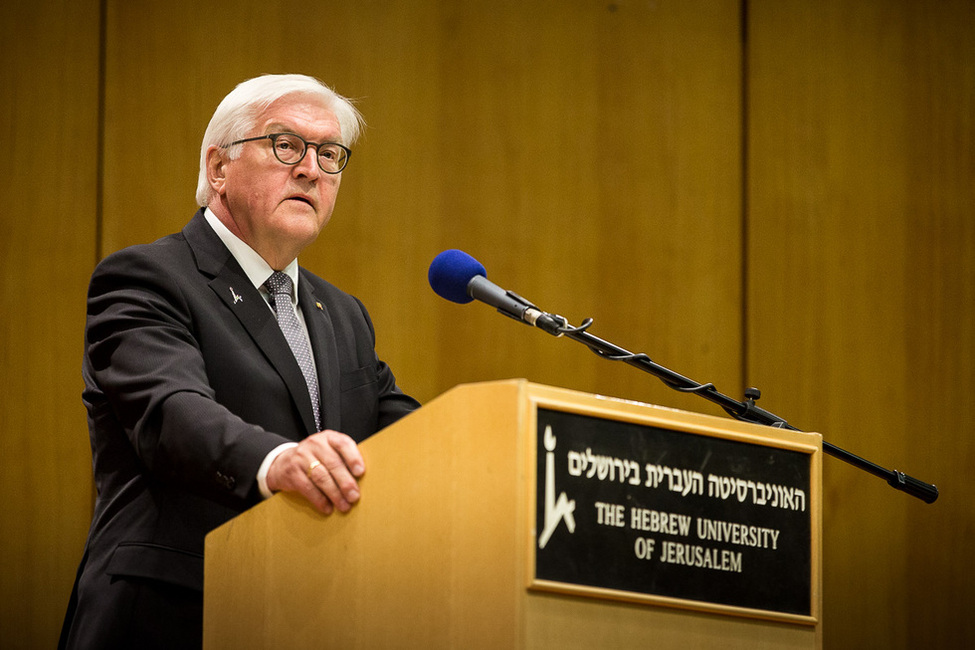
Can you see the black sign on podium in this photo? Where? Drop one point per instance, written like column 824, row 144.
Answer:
column 632, row 509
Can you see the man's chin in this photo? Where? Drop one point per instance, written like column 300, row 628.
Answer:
column 302, row 228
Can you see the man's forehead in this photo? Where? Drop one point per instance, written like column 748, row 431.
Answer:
column 303, row 112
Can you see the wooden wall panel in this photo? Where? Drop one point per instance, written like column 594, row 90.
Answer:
column 861, row 291
column 48, row 122
column 940, row 274
column 588, row 153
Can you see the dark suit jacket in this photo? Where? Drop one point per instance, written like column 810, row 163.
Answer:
column 189, row 383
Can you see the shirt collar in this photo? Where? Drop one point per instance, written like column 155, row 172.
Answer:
column 256, row 269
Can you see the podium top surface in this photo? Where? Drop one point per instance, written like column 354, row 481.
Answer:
column 641, row 412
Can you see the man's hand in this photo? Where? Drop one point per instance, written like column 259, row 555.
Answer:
column 323, row 468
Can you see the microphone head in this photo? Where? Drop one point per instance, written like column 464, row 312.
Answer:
column 450, row 273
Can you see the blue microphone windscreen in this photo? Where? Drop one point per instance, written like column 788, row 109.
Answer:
column 450, row 273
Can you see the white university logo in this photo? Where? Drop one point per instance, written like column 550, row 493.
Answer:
column 555, row 510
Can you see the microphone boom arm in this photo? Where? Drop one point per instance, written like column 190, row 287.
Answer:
column 745, row 411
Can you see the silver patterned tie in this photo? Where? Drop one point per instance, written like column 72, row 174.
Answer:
column 279, row 286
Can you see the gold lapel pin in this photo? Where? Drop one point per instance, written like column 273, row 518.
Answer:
column 319, row 305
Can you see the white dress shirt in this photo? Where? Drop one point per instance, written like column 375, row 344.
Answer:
column 258, row 271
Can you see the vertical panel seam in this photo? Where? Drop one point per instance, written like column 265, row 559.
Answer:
column 744, row 323
column 100, row 130
column 100, row 157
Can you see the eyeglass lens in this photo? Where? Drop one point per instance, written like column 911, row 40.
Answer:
column 289, row 149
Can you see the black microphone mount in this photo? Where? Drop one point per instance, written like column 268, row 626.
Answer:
column 745, row 411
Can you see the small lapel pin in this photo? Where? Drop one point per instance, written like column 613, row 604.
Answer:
column 319, row 305
column 236, row 297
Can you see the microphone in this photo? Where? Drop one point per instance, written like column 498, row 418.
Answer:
column 460, row 278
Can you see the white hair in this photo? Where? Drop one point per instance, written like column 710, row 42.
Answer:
column 238, row 112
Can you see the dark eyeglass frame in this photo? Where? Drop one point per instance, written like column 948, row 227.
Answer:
column 273, row 137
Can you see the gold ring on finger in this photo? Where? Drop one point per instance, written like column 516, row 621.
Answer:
column 311, row 468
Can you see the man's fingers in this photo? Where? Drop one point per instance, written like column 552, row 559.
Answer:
column 347, row 450
column 323, row 468
column 333, row 480
column 334, row 463
column 342, row 460
column 316, row 497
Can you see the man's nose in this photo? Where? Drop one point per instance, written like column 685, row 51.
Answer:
column 308, row 166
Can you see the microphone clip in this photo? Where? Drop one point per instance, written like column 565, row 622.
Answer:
column 531, row 315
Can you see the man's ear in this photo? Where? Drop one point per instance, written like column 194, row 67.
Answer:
column 217, row 169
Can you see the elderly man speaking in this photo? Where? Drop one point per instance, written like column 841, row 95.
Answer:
column 218, row 371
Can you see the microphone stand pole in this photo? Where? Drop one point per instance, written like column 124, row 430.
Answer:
column 745, row 411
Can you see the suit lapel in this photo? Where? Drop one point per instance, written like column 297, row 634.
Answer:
column 321, row 334
column 230, row 284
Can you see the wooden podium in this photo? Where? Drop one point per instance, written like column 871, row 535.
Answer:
column 443, row 550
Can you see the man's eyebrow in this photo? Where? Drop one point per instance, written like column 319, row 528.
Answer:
column 278, row 127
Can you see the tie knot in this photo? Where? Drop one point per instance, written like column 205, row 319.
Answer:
column 279, row 283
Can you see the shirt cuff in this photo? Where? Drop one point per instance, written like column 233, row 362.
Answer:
column 266, row 465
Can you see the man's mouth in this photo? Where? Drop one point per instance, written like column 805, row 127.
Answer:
column 302, row 199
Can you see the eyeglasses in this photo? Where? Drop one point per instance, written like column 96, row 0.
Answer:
column 290, row 149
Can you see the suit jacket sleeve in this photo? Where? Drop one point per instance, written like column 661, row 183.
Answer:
column 145, row 370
